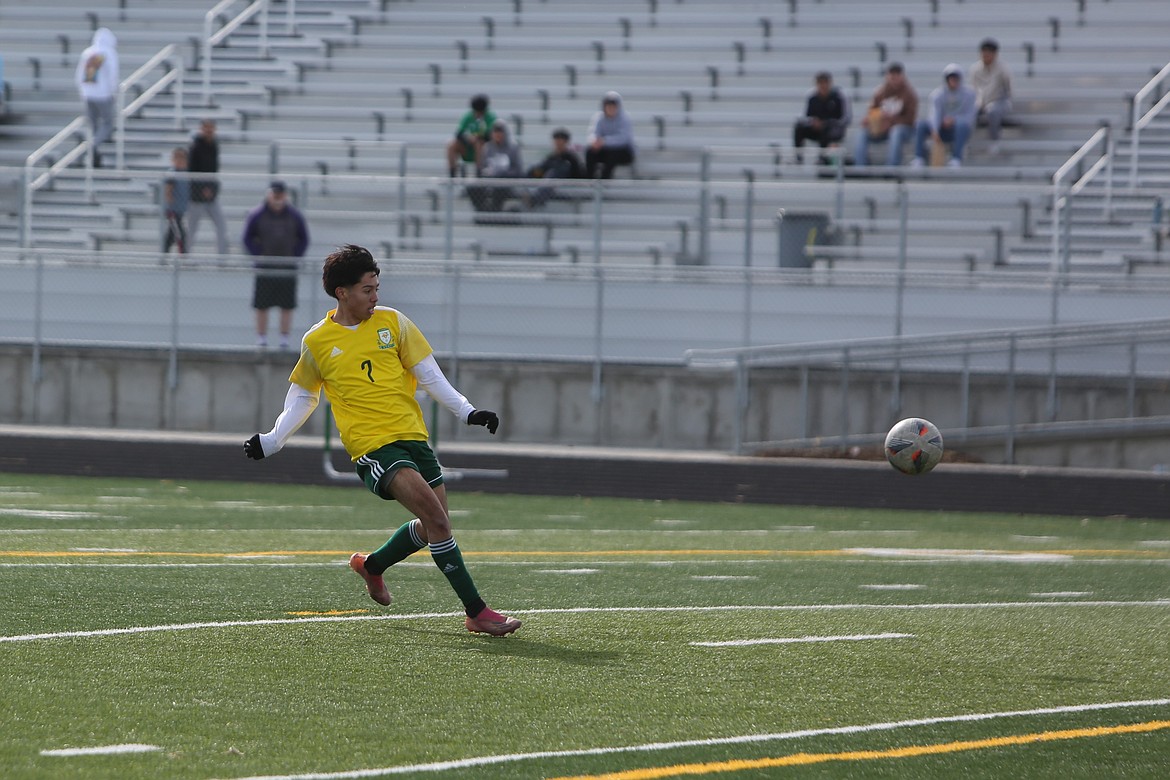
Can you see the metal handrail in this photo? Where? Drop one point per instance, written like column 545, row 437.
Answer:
column 893, row 354
column 211, row 40
column 933, row 345
column 1102, row 138
column 1139, row 123
column 173, row 75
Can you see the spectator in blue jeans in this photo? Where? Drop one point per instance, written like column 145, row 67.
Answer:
column 891, row 115
column 950, row 119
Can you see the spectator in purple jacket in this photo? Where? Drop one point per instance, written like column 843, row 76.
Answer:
column 275, row 232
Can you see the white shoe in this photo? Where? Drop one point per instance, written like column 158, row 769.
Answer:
column 917, row 162
column 954, row 162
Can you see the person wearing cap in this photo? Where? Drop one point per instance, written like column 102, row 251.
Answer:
column 499, row 159
column 892, row 112
column 826, row 116
column 610, row 140
column 471, row 134
column 276, row 233
column 950, row 118
column 993, row 88
column 562, row 162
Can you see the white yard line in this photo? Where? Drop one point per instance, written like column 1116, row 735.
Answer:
column 104, row 750
column 901, row 586
column 801, row 640
column 585, row 610
column 566, row 571
column 507, row 758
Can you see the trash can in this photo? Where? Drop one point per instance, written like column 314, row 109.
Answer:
column 798, row 229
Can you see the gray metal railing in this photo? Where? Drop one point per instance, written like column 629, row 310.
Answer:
column 1140, row 121
column 1011, row 353
column 1069, row 180
column 213, row 37
column 172, row 76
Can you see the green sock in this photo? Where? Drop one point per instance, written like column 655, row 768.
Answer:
column 404, row 542
column 450, row 562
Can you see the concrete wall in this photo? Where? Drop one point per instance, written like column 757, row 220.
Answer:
column 667, row 407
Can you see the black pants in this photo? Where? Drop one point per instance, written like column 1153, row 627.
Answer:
column 488, row 197
column 824, row 135
column 607, row 158
column 176, row 233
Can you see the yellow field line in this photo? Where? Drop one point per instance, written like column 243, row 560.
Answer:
column 550, row 553
column 328, row 612
column 802, row 759
column 346, row 553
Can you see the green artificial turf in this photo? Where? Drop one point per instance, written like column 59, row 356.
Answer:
column 1000, row 614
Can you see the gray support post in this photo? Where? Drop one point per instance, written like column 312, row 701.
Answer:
column 1010, row 440
column 38, row 372
column 598, row 388
column 449, row 227
column 741, row 402
column 704, row 256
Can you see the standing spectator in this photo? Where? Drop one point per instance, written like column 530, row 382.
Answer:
column 471, row 134
column 950, row 120
column 275, row 229
column 97, row 81
column 499, row 159
column 993, row 88
column 176, row 197
column 610, row 140
column 204, row 158
column 826, row 116
column 892, row 112
column 561, row 163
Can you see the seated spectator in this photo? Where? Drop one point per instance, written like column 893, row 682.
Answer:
column 471, row 134
column 891, row 115
column 826, row 116
column 993, row 89
column 610, row 140
column 561, row 163
column 499, row 159
column 951, row 119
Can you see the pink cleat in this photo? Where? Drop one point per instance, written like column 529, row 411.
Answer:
column 488, row 621
column 374, row 585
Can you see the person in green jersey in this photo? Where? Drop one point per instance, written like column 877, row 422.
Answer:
column 471, row 135
column 369, row 360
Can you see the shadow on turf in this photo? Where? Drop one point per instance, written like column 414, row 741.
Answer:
column 518, row 646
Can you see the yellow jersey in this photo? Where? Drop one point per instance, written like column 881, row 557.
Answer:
column 365, row 371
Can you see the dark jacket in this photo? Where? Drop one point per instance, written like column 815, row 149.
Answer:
column 276, row 233
column 832, row 109
column 203, row 157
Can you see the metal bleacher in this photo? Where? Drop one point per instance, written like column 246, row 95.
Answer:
column 352, row 101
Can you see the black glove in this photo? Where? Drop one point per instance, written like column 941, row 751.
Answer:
column 253, row 449
column 483, row 417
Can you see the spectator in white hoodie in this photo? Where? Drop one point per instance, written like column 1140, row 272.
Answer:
column 610, row 140
column 97, row 81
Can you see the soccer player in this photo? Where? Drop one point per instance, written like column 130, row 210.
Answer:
column 369, row 359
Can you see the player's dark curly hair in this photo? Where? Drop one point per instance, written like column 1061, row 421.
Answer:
column 346, row 267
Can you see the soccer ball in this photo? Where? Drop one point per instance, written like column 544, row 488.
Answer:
column 914, row 446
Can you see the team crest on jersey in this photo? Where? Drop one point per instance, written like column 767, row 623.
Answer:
column 385, row 339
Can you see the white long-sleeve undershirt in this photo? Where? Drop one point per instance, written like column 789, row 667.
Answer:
column 300, row 403
column 430, row 378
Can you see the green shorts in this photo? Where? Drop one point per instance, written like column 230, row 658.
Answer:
column 377, row 468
